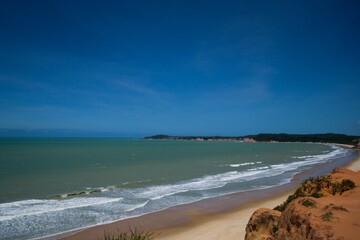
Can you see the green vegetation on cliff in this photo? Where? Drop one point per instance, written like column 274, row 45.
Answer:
column 131, row 235
column 315, row 187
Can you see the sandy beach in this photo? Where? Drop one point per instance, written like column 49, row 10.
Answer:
column 223, row 218
column 225, row 226
column 354, row 165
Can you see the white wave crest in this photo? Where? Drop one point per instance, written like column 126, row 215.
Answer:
column 337, row 152
column 198, row 184
column 12, row 210
column 141, row 205
column 244, row 164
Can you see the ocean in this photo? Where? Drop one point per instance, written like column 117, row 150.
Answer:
column 50, row 186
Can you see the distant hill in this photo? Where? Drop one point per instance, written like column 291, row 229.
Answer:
column 268, row 137
column 167, row 137
column 323, row 138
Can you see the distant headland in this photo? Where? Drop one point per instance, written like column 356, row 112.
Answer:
column 271, row 137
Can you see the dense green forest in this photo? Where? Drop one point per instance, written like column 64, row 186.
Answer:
column 267, row 137
column 324, row 138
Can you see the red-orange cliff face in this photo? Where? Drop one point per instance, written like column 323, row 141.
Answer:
column 327, row 207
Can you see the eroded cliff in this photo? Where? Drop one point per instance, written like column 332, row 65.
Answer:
column 327, row 207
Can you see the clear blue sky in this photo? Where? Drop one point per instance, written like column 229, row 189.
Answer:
column 136, row 68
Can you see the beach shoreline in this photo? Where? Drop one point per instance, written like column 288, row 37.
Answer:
column 173, row 219
column 222, row 217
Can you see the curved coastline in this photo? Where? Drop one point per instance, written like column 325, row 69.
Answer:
column 179, row 219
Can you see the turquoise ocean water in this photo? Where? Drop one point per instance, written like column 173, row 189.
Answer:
column 48, row 186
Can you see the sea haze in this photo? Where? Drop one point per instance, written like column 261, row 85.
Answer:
column 47, row 184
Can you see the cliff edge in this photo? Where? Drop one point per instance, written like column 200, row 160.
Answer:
column 326, row 207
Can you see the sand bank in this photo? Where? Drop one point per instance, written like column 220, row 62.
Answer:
column 225, row 226
column 219, row 218
column 354, row 165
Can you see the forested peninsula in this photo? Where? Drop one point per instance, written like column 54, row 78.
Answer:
column 271, row 137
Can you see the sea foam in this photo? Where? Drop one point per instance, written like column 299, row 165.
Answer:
column 12, row 210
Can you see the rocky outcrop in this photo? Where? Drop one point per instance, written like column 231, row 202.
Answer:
column 327, row 207
column 302, row 222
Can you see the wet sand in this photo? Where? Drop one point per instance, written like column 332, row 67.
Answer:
column 216, row 218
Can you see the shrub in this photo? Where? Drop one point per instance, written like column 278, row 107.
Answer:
column 343, row 186
column 308, row 203
column 327, row 216
column 274, row 229
column 298, row 193
column 317, row 195
column 346, row 185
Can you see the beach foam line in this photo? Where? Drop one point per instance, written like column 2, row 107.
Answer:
column 303, row 157
column 208, row 182
column 244, row 164
column 198, row 184
column 137, row 206
column 168, row 194
column 338, row 152
column 13, row 210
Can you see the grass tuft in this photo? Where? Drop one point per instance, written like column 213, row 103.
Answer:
column 327, row 216
column 131, row 235
column 274, row 229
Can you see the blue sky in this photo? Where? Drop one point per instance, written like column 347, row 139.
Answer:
column 137, row 68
